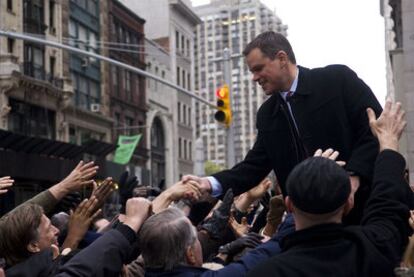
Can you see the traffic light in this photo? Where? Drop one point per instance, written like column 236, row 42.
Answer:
column 223, row 115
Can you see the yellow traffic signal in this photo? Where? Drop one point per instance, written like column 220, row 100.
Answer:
column 223, row 115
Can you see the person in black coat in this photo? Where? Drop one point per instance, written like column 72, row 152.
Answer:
column 319, row 194
column 307, row 109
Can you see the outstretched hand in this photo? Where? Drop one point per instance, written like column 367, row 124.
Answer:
column 258, row 191
column 333, row 155
column 239, row 229
column 389, row 126
column 329, row 154
column 80, row 220
column 202, row 182
column 184, row 190
column 5, row 183
column 80, row 176
column 103, row 191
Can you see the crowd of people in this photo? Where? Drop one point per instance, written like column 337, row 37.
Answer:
column 327, row 212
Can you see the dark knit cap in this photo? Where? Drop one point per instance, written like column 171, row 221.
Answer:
column 318, row 186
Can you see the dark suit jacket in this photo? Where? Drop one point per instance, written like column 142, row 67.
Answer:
column 329, row 108
column 372, row 249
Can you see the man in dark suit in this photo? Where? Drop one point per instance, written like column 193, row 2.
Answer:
column 307, row 109
column 319, row 194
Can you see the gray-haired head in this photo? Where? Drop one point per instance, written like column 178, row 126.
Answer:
column 164, row 239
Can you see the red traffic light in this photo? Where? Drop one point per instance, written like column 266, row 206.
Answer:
column 221, row 92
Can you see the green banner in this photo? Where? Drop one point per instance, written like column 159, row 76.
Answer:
column 125, row 149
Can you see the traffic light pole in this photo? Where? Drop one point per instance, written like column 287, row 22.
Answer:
column 230, row 157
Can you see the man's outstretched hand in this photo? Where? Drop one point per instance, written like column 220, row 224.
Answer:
column 202, row 182
column 389, row 126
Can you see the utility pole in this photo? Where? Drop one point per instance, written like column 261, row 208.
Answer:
column 230, row 157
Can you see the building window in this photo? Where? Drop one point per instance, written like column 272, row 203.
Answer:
column 82, row 92
column 157, row 152
column 156, row 82
column 178, row 75
column 114, row 73
column 31, row 120
column 184, row 114
column 52, row 65
column 117, row 119
column 189, row 116
column 188, row 81
column 179, row 111
column 190, row 150
column 52, row 15
column 10, row 45
column 10, row 5
column 177, row 40
column 34, row 61
column 128, row 85
column 137, row 88
column 88, row 5
column 72, row 135
column 179, row 148
column 72, row 33
column 149, row 80
column 92, row 7
column 83, row 37
column 185, row 149
column 183, row 79
column 92, row 42
column 129, row 122
column 87, row 91
column 93, row 92
column 182, row 44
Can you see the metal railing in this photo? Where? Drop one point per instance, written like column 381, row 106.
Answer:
column 38, row 72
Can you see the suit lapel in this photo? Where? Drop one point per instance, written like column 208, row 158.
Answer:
column 300, row 103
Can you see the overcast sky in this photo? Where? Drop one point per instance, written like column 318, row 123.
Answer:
column 323, row 32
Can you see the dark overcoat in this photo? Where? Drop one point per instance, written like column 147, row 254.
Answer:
column 329, row 108
column 372, row 249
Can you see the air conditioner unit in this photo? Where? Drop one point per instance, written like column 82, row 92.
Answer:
column 85, row 62
column 95, row 108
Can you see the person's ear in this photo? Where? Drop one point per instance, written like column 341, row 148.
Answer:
column 33, row 247
column 289, row 204
column 349, row 204
column 190, row 256
column 283, row 58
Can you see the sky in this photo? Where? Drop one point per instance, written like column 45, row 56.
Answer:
column 323, row 32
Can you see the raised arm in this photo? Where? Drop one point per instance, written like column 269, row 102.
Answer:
column 386, row 214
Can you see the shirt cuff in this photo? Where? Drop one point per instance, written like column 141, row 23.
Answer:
column 128, row 233
column 216, row 188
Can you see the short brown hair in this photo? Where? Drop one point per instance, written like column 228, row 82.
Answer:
column 17, row 230
column 270, row 43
